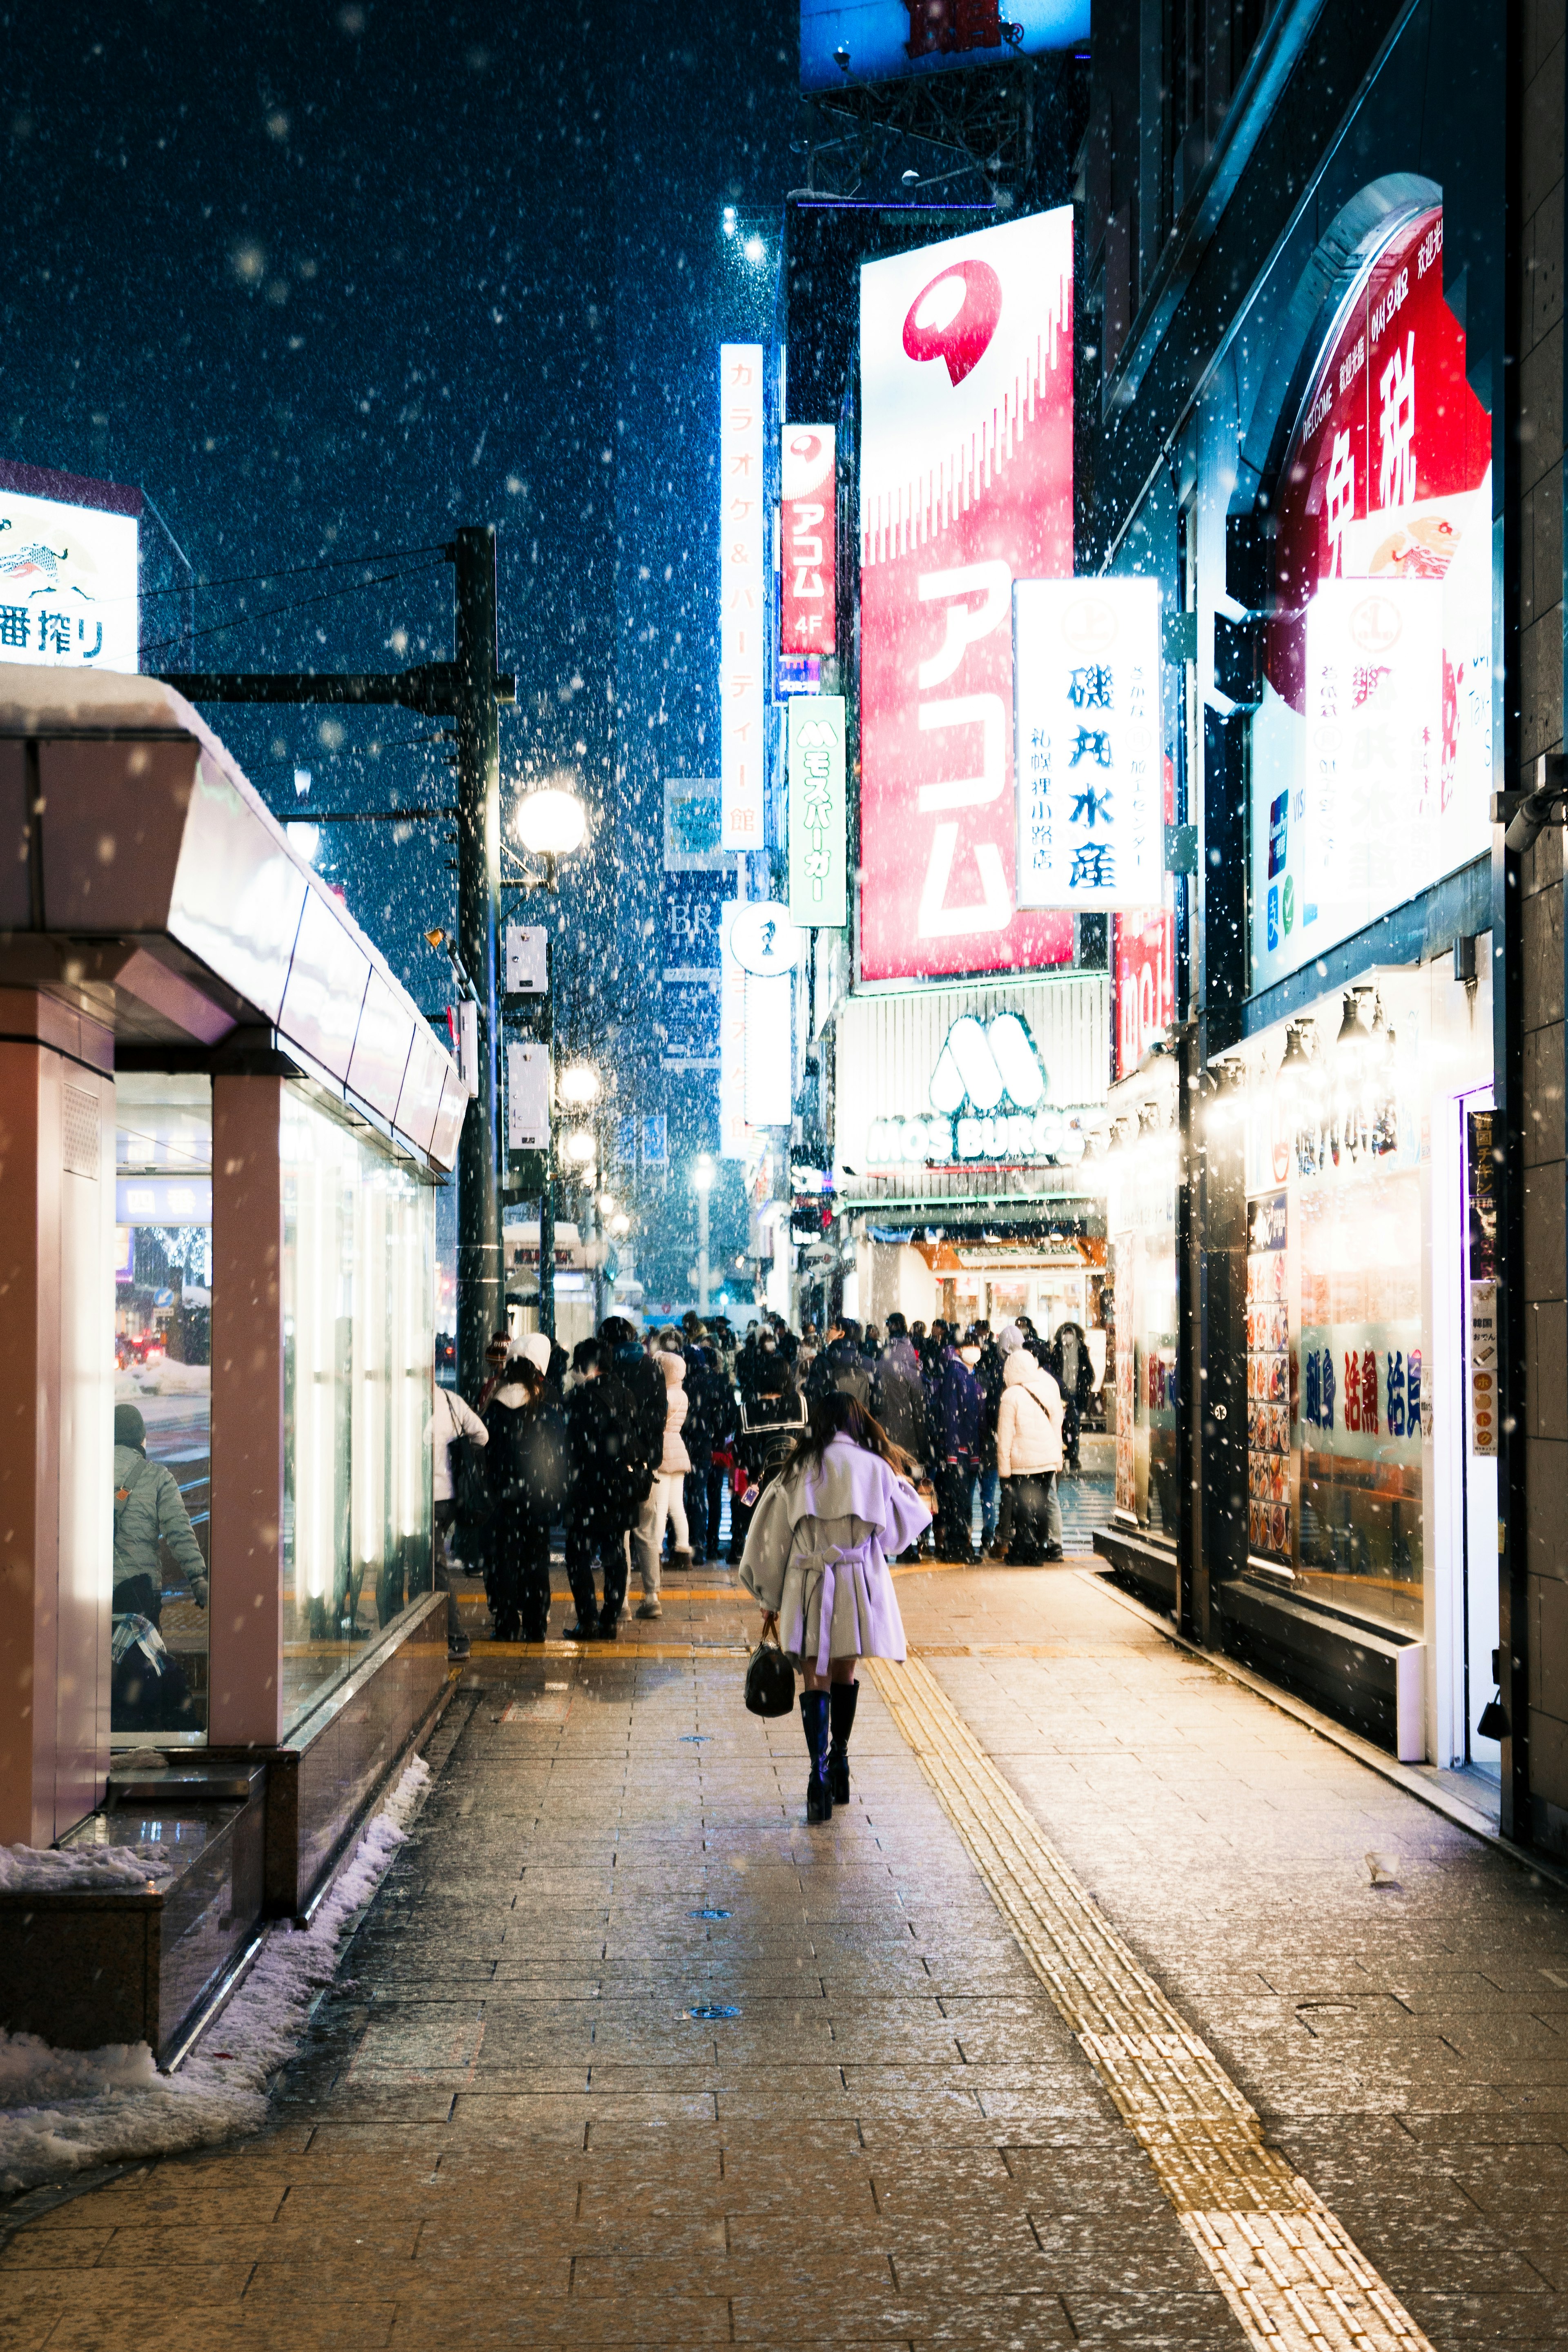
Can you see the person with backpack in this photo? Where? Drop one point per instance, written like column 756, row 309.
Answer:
column 527, row 1461
column 148, row 1686
column 452, row 1424
column 1029, row 1456
column 771, row 1420
column 816, row 1559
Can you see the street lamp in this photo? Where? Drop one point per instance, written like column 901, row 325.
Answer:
column 581, row 1146
column 579, row 1084
column 551, row 823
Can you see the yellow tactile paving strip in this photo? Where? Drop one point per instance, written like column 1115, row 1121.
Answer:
column 1290, row 2272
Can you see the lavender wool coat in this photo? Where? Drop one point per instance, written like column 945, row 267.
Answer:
column 817, row 1552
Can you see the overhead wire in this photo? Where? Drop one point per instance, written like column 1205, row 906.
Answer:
column 298, row 571
column 297, row 604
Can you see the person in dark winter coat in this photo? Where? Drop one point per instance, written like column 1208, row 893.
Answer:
column 898, row 1401
column 148, row 1690
column 957, row 1443
column 526, row 1461
column 988, row 1372
column 710, row 1423
column 1071, row 1367
column 615, row 1446
column 841, row 1366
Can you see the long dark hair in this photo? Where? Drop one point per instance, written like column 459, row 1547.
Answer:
column 837, row 1414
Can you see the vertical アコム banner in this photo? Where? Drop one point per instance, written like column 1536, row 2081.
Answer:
column 965, row 486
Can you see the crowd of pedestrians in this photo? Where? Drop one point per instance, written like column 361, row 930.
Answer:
column 626, row 1443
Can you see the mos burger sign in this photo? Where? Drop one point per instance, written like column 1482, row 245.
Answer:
column 986, row 1105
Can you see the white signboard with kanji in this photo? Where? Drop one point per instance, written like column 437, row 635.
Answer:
column 743, row 597
column 1086, row 688
column 68, row 585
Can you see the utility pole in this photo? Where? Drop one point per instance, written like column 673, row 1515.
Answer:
column 469, row 690
column 481, row 1289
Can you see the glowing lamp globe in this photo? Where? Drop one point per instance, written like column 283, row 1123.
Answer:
column 551, row 823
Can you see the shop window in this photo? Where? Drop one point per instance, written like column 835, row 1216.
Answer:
column 358, row 1356
column 163, row 1401
column 1144, row 1172
column 1372, row 747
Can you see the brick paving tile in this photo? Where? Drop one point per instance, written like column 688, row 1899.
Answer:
column 505, row 2126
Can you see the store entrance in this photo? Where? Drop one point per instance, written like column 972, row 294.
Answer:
column 1479, row 1410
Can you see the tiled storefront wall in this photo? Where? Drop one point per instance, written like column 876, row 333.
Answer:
column 1542, row 62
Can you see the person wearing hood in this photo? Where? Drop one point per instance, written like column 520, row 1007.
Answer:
column 149, row 1510
column 956, row 1438
column 816, row 1559
column 1069, row 1361
column 638, row 1400
column 148, row 1688
column 527, row 1462
column 609, row 1479
column 1029, row 1456
column 899, row 1396
column 667, row 1497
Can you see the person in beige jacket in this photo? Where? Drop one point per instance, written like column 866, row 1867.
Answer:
column 1028, row 1457
column 667, row 1497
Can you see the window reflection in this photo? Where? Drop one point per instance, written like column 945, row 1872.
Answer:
column 163, row 1394
column 359, row 1340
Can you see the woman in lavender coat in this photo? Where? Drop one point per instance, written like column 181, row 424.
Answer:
column 816, row 1557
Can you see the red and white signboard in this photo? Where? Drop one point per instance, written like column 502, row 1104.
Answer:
column 807, row 612
column 741, row 603
column 965, row 484
column 1372, row 754
column 1145, row 983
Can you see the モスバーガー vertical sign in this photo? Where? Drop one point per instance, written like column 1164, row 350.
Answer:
column 743, row 598
column 818, row 830
column 808, row 549
column 965, row 484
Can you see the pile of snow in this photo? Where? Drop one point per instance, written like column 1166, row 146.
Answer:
column 62, row 2111
column 46, row 1870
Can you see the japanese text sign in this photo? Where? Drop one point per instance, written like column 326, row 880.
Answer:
column 965, row 484
column 743, row 603
column 1091, row 782
column 818, row 835
column 1145, row 983
column 68, row 585
column 807, row 611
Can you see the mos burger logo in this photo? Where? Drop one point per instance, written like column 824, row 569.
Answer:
column 954, row 317
column 987, row 1066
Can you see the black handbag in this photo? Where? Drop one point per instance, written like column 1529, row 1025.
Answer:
column 769, row 1681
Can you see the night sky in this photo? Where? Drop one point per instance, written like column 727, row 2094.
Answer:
column 325, row 282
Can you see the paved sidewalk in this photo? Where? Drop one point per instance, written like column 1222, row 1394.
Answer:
column 509, row 2127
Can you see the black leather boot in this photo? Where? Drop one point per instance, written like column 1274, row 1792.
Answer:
column 842, row 1700
column 818, row 1795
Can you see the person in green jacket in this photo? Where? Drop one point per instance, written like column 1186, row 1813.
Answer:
column 148, row 1509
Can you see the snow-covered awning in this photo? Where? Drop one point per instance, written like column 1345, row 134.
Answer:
column 148, row 885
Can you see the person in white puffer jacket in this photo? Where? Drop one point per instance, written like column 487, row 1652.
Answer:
column 1028, row 1457
column 667, row 1497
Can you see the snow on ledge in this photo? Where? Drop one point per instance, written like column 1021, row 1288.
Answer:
column 63, row 2111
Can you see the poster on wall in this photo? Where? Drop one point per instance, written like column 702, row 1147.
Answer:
column 743, row 594
column 965, row 486
column 1363, row 1386
column 1481, row 1354
column 1372, row 749
column 807, row 540
column 1269, row 1403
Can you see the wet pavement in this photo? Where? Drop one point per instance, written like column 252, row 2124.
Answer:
column 1117, row 2008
